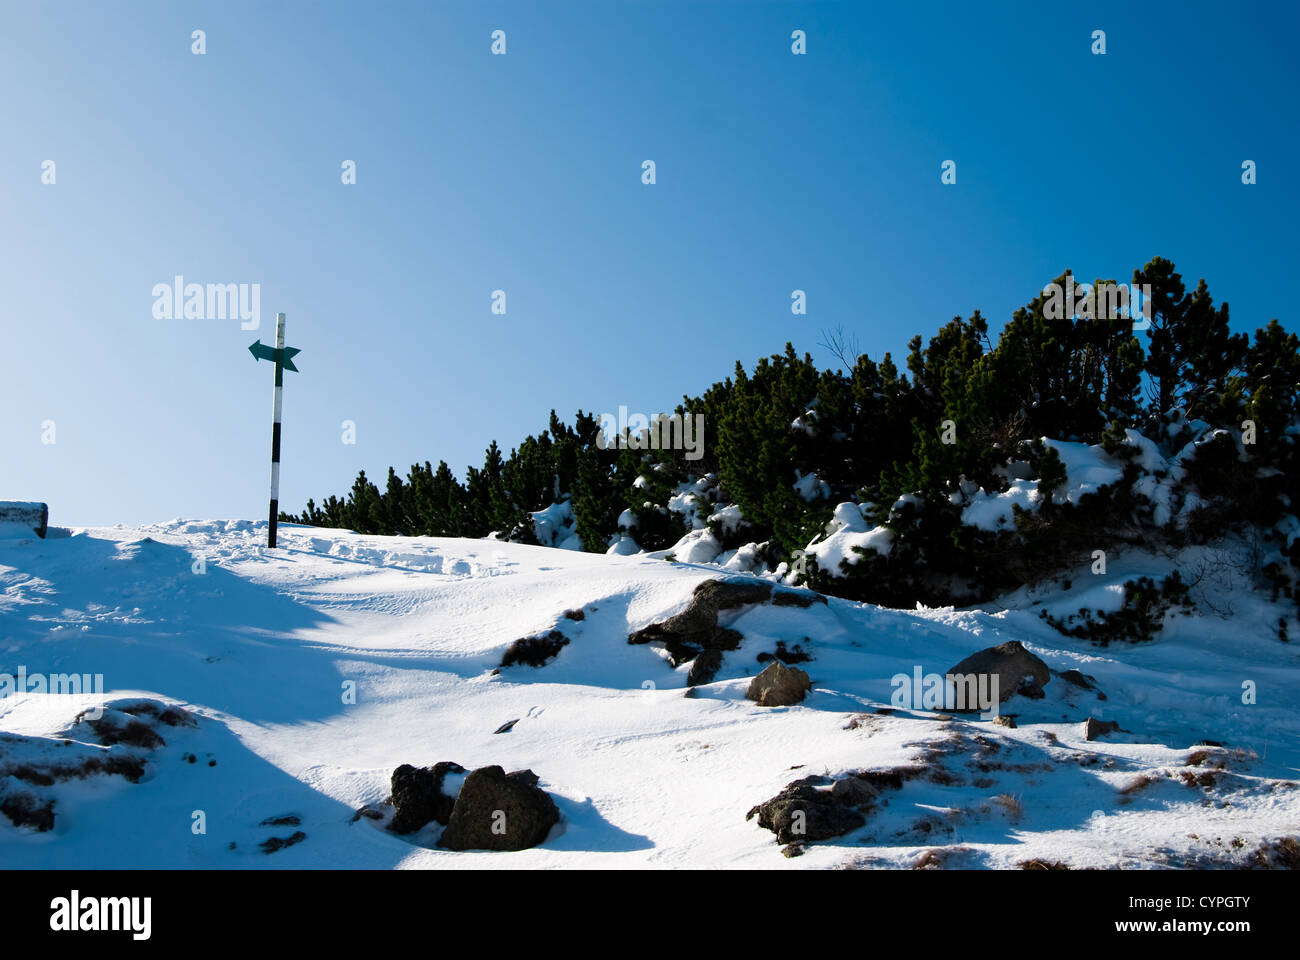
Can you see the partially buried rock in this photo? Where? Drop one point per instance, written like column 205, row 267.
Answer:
column 779, row 686
column 499, row 811
column 534, row 651
column 801, row 812
column 1078, row 679
column 788, row 657
column 272, row 844
column 797, row 598
column 1094, row 728
column 704, row 667
column 696, row 628
column 418, row 797
column 1017, row 670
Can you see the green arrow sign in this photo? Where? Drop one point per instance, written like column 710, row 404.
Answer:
column 261, row 351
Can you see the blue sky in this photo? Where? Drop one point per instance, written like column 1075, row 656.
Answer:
column 522, row 172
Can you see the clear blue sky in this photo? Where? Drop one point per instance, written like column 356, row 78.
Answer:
column 523, row 172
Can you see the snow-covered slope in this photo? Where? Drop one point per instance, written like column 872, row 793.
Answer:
column 262, row 648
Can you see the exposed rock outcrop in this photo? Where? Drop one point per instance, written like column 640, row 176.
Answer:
column 779, row 686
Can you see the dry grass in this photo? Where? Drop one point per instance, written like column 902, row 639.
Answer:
column 944, row 777
column 1010, row 804
column 1280, row 854
column 1207, row 779
column 1138, row 784
column 938, row 857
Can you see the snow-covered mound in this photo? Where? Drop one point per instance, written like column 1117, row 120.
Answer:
column 244, row 704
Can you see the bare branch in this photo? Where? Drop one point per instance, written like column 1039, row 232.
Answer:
column 841, row 345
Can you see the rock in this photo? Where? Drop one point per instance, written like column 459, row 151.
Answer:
column 779, row 685
column 1094, row 728
column 1018, row 670
column 1079, row 679
column 797, row 598
column 272, row 844
column 793, row 850
column 507, row 726
column 801, row 813
column 855, row 791
column 171, row 716
column 696, row 628
column 367, row 811
column 704, row 667
column 418, row 798
column 717, row 595
column 25, row 810
column 28, row 516
column 287, row 820
column 499, row 811
column 680, row 652
column 892, row 778
column 534, row 651
column 788, row 657
column 1005, row 720
column 575, row 615
column 115, row 726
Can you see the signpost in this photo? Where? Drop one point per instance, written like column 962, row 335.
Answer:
column 283, row 357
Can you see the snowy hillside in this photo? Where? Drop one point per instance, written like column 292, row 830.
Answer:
column 227, row 670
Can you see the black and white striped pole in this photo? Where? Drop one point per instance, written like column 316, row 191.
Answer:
column 283, row 357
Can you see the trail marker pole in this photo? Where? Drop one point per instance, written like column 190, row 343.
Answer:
column 283, row 357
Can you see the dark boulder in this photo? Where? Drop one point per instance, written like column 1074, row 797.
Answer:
column 25, row 810
column 1017, row 670
column 1075, row 678
column 418, row 798
column 534, row 651
column 704, row 667
column 696, row 628
column 802, row 812
column 272, row 844
column 1094, row 728
column 797, row 598
column 499, row 811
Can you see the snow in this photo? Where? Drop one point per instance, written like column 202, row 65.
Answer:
column 1088, row 468
column 810, row 487
column 728, row 519
column 846, row 531
column 554, row 527
column 260, row 644
column 698, row 546
column 994, row 511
